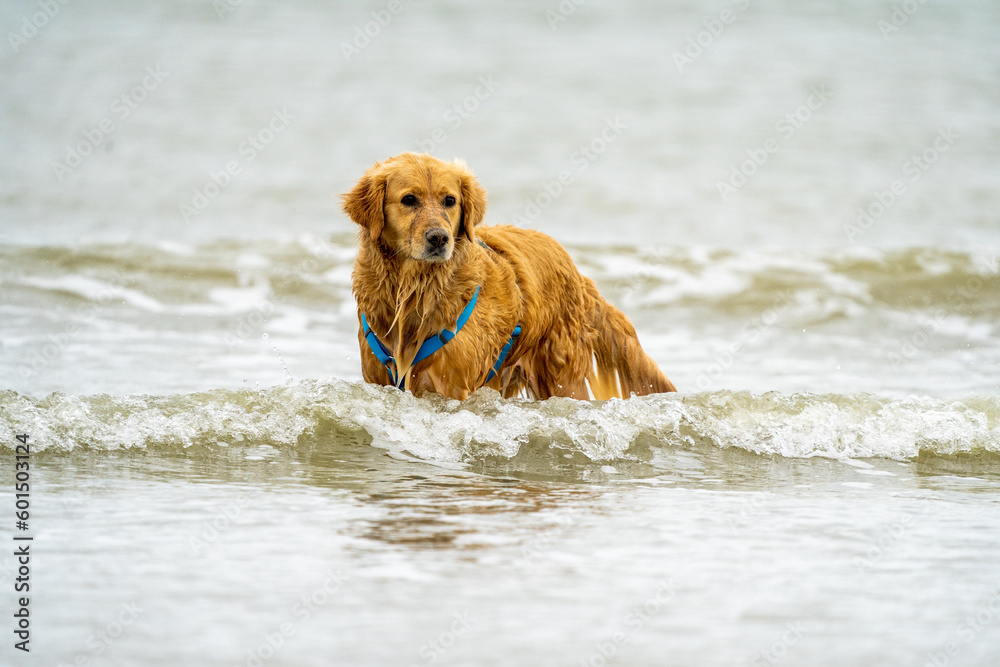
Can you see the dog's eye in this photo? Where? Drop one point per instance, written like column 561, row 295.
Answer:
column 449, row 201
column 409, row 200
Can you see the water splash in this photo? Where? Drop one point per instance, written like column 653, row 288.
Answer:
column 487, row 426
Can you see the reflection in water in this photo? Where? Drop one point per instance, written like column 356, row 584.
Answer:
column 426, row 506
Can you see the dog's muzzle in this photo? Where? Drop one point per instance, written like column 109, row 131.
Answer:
column 436, row 241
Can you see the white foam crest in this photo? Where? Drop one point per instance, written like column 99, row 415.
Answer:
column 238, row 299
column 94, row 290
column 714, row 276
column 63, row 423
column 223, row 300
column 486, row 425
column 81, row 286
column 842, row 427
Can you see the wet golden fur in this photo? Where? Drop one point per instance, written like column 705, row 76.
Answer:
column 419, row 264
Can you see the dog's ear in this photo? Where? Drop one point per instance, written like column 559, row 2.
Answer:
column 365, row 203
column 473, row 204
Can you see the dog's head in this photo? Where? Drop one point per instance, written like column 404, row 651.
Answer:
column 417, row 206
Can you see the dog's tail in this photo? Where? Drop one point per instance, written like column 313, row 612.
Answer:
column 621, row 366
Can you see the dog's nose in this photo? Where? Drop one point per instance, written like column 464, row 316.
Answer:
column 436, row 237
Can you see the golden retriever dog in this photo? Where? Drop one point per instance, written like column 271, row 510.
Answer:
column 449, row 306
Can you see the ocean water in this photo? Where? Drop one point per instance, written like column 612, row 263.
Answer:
column 796, row 203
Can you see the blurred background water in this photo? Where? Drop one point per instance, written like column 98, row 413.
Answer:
column 795, row 202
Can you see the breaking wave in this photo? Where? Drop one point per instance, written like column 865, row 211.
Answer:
column 485, row 425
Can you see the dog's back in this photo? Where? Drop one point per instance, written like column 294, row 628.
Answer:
column 571, row 335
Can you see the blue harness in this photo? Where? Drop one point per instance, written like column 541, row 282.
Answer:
column 432, row 344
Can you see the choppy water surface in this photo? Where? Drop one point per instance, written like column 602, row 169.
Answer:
column 212, row 482
column 722, row 527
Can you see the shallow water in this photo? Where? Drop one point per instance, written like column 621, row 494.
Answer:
column 348, row 524
column 213, row 484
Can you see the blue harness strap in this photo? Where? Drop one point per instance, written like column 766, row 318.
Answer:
column 432, row 344
column 378, row 349
column 503, row 353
